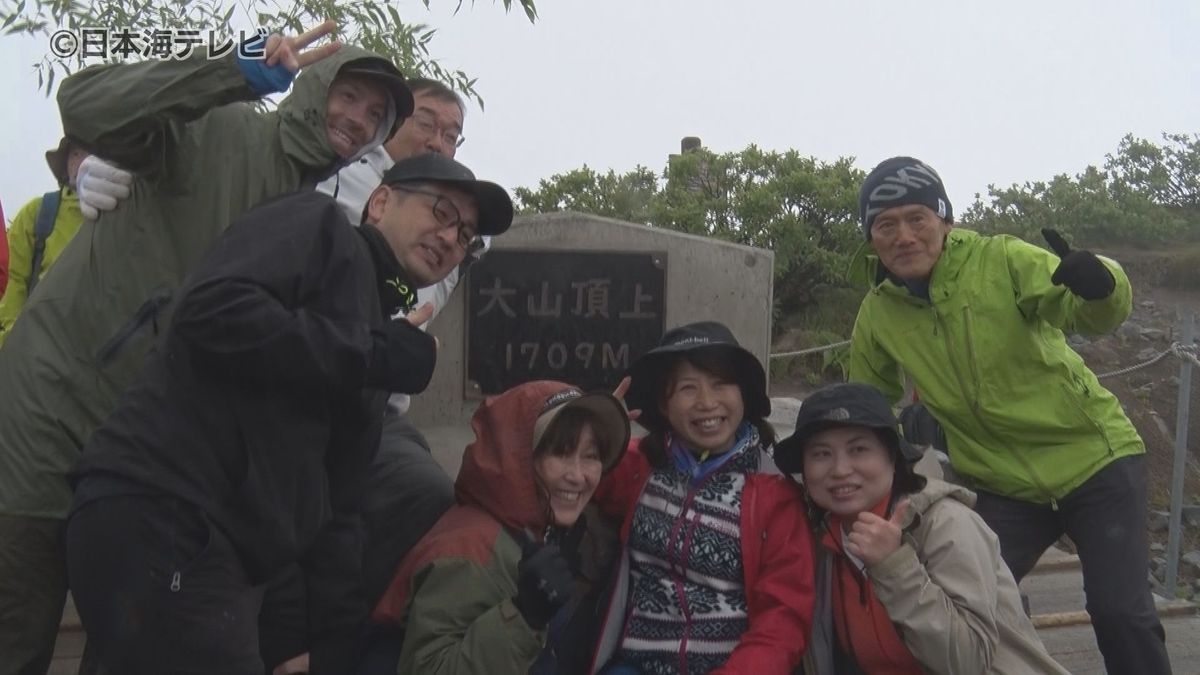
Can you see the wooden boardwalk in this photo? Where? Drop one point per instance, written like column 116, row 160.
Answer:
column 69, row 648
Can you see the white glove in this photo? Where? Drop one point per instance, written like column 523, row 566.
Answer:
column 100, row 186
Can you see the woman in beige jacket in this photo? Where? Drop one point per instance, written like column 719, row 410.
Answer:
column 910, row 579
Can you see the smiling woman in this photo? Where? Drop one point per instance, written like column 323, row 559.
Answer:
column 910, row 579
column 716, row 568
column 568, row 462
column 512, row 566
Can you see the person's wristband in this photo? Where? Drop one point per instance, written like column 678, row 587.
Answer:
column 261, row 78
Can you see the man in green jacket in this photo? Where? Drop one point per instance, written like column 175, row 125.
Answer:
column 23, row 237
column 978, row 323
column 201, row 156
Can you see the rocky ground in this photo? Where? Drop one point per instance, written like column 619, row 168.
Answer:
column 1148, row 394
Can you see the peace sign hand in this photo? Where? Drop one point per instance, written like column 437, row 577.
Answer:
column 873, row 539
column 619, row 394
column 287, row 50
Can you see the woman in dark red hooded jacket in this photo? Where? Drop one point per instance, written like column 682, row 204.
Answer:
column 499, row 570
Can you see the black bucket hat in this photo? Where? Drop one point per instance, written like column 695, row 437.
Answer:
column 842, row 405
column 495, row 206
column 649, row 372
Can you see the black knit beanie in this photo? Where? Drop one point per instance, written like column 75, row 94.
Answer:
column 900, row 181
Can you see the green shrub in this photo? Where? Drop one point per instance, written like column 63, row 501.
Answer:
column 1181, row 269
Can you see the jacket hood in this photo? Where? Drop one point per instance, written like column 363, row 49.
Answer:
column 497, row 473
column 302, row 113
column 934, row 492
column 863, row 268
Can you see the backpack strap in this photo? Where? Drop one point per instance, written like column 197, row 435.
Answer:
column 43, row 226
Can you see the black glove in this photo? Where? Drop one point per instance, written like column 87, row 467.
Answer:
column 1080, row 271
column 402, row 358
column 544, row 583
column 569, row 541
column 919, row 427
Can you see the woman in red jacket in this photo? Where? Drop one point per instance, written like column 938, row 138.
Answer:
column 716, row 571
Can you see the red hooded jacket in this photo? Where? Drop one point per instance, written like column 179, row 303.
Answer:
column 495, row 489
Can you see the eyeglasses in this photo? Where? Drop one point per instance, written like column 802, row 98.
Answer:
column 428, row 126
column 448, row 217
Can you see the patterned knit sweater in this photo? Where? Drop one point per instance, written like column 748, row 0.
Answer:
column 687, row 606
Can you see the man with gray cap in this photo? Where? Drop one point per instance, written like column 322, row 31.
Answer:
column 42, row 228
column 978, row 323
column 244, row 446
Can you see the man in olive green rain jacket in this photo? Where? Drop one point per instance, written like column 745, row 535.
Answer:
column 201, row 156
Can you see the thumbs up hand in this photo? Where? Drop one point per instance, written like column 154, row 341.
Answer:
column 1080, row 271
column 873, row 539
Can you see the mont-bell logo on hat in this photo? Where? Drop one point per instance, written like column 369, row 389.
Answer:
column 561, row 398
column 691, row 340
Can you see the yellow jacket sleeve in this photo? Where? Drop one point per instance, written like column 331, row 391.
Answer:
column 20, row 256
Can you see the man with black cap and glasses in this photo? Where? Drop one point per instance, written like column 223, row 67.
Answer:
column 978, row 323
column 408, row 491
column 244, row 445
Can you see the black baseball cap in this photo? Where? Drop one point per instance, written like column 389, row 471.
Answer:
column 387, row 75
column 495, row 206
column 649, row 372
column 841, row 405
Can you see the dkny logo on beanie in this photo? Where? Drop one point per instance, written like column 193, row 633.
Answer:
column 900, row 181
